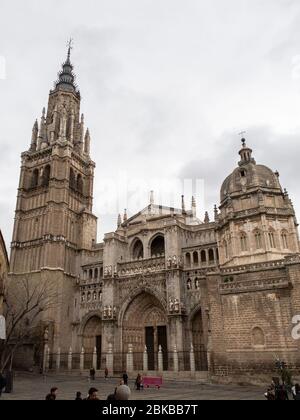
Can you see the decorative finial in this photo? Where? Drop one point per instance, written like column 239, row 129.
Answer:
column 183, row 204
column 152, row 197
column 119, row 221
column 206, row 218
column 125, row 216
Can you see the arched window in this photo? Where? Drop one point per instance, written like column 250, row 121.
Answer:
column 258, row 240
column 284, row 240
column 272, row 241
column 35, row 178
column 46, row 176
column 72, row 179
column 196, row 258
column 89, row 296
column 258, row 337
column 79, row 184
column 91, row 274
column 211, row 255
column 137, row 250
column 101, row 272
column 203, row 256
column 188, row 259
column 158, row 246
column 244, row 242
column 96, row 273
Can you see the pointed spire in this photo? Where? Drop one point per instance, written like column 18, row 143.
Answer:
column 206, row 218
column 87, row 142
column 125, row 218
column 119, row 221
column 34, row 138
column 194, row 207
column 66, row 77
column 182, row 204
column 152, row 198
column 216, row 213
column 42, row 133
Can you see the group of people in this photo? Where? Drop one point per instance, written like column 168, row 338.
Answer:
column 121, row 393
column 282, row 392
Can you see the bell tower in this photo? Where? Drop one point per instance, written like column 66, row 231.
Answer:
column 54, row 222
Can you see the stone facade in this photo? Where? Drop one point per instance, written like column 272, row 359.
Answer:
column 4, row 264
column 224, row 290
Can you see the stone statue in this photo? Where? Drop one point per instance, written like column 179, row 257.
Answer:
column 171, row 305
column 174, row 261
column 105, row 312
column 169, row 262
column 109, row 312
column 46, row 334
column 177, row 306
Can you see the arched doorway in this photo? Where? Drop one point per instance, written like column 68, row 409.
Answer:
column 199, row 342
column 145, row 324
column 92, row 337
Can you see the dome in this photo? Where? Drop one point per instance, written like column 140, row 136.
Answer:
column 249, row 176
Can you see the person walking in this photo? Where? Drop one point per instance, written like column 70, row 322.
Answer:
column 106, row 373
column 78, row 396
column 138, row 382
column 92, row 374
column 125, row 378
column 53, row 395
column 2, row 383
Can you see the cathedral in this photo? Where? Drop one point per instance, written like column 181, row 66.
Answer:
column 220, row 295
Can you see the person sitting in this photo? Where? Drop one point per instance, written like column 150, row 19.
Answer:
column 53, row 394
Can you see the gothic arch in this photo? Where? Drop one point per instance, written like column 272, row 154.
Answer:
column 137, row 249
column 157, row 244
column 86, row 319
column 133, row 295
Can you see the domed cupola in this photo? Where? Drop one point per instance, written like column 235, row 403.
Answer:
column 257, row 221
column 249, row 177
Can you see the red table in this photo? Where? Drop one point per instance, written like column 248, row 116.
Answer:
column 152, row 381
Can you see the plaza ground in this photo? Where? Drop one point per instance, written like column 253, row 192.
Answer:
column 27, row 387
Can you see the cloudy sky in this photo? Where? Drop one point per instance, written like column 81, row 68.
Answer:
column 167, row 85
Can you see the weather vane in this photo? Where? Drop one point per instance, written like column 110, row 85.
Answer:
column 70, row 46
column 242, row 134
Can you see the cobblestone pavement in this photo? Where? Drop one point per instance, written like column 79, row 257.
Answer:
column 36, row 387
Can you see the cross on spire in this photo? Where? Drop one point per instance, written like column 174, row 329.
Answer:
column 70, row 47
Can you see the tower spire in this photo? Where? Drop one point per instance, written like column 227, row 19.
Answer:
column 66, row 77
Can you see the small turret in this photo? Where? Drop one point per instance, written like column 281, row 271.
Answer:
column 194, row 207
column 87, row 142
column 206, row 218
column 42, row 140
column 34, row 138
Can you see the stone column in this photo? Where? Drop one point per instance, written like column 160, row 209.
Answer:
column 58, row 359
column 110, row 359
column 145, row 360
column 175, row 359
column 82, row 360
column 129, row 365
column 45, row 358
column 192, row 360
column 70, row 357
column 48, row 358
column 95, row 358
column 160, row 360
